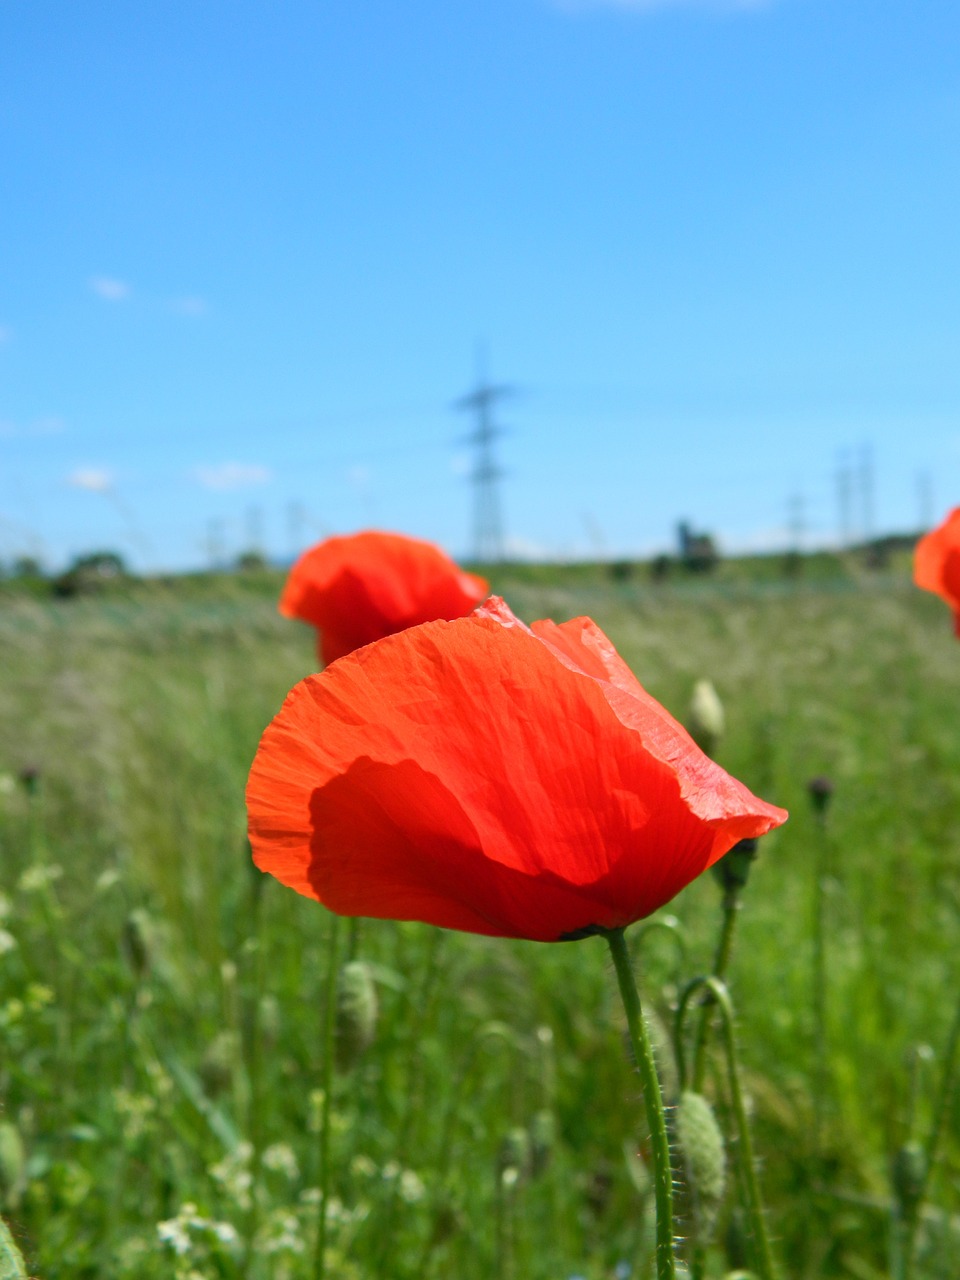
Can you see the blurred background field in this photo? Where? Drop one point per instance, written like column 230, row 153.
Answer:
column 161, row 1002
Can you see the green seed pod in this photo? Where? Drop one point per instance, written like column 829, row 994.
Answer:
column 704, row 1160
column 13, row 1165
column 908, row 1175
column 705, row 719
column 12, row 1266
column 733, row 869
column 356, row 1013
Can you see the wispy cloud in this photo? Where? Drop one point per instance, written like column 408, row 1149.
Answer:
column 93, row 479
column 232, row 475
column 190, row 305
column 110, row 289
column 6, row 334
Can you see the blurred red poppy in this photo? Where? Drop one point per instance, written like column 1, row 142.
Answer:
column 365, row 586
column 936, row 563
column 481, row 776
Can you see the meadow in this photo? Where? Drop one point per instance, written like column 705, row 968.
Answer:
column 161, row 1001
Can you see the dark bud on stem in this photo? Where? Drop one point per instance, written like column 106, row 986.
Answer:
column 30, row 778
column 733, row 869
column 820, row 791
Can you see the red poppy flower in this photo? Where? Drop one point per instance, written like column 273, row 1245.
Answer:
column 481, row 776
column 936, row 563
column 366, row 586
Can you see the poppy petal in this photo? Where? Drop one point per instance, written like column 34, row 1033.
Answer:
column 484, row 776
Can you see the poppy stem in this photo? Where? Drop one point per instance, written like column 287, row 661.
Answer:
column 721, row 962
column 653, row 1100
column 326, row 1085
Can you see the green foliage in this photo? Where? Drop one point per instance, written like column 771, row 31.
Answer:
column 161, row 1001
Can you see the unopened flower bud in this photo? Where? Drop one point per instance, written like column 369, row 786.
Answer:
column 704, row 1160
column 820, row 791
column 357, row 1011
column 733, row 869
column 705, row 719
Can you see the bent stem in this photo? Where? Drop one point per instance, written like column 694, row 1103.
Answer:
column 720, row 998
column 653, row 1101
column 326, row 1085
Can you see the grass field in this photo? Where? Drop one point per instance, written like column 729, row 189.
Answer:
column 161, row 1002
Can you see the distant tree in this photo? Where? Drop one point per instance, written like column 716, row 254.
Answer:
column 90, row 573
column 251, row 561
column 27, row 567
column 621, row 570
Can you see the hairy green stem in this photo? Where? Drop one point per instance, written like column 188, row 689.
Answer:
column 653, row 1100
column 326, row 1084
column 721, row 962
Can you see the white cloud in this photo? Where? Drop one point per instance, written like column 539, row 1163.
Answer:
column 232, row 475
column 189, row 306
column 6, row 334
column 93, row 479
column 110, row 289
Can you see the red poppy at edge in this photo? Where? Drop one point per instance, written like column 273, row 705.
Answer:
column 936, row 563
column 485, row 776
column 364, row 586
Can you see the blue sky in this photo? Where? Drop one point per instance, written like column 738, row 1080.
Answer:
column 248, row 252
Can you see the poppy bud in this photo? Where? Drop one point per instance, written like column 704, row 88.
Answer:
column 733, row 869
column 820, row 791
column 705, row 719
column 356, row 1013
column 30, row 778
column 704, row 1160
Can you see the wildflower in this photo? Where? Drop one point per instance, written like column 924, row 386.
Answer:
column 936, row 563
column 360, row 588
column 483, row 776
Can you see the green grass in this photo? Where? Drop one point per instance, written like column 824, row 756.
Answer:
column 161, row 1009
